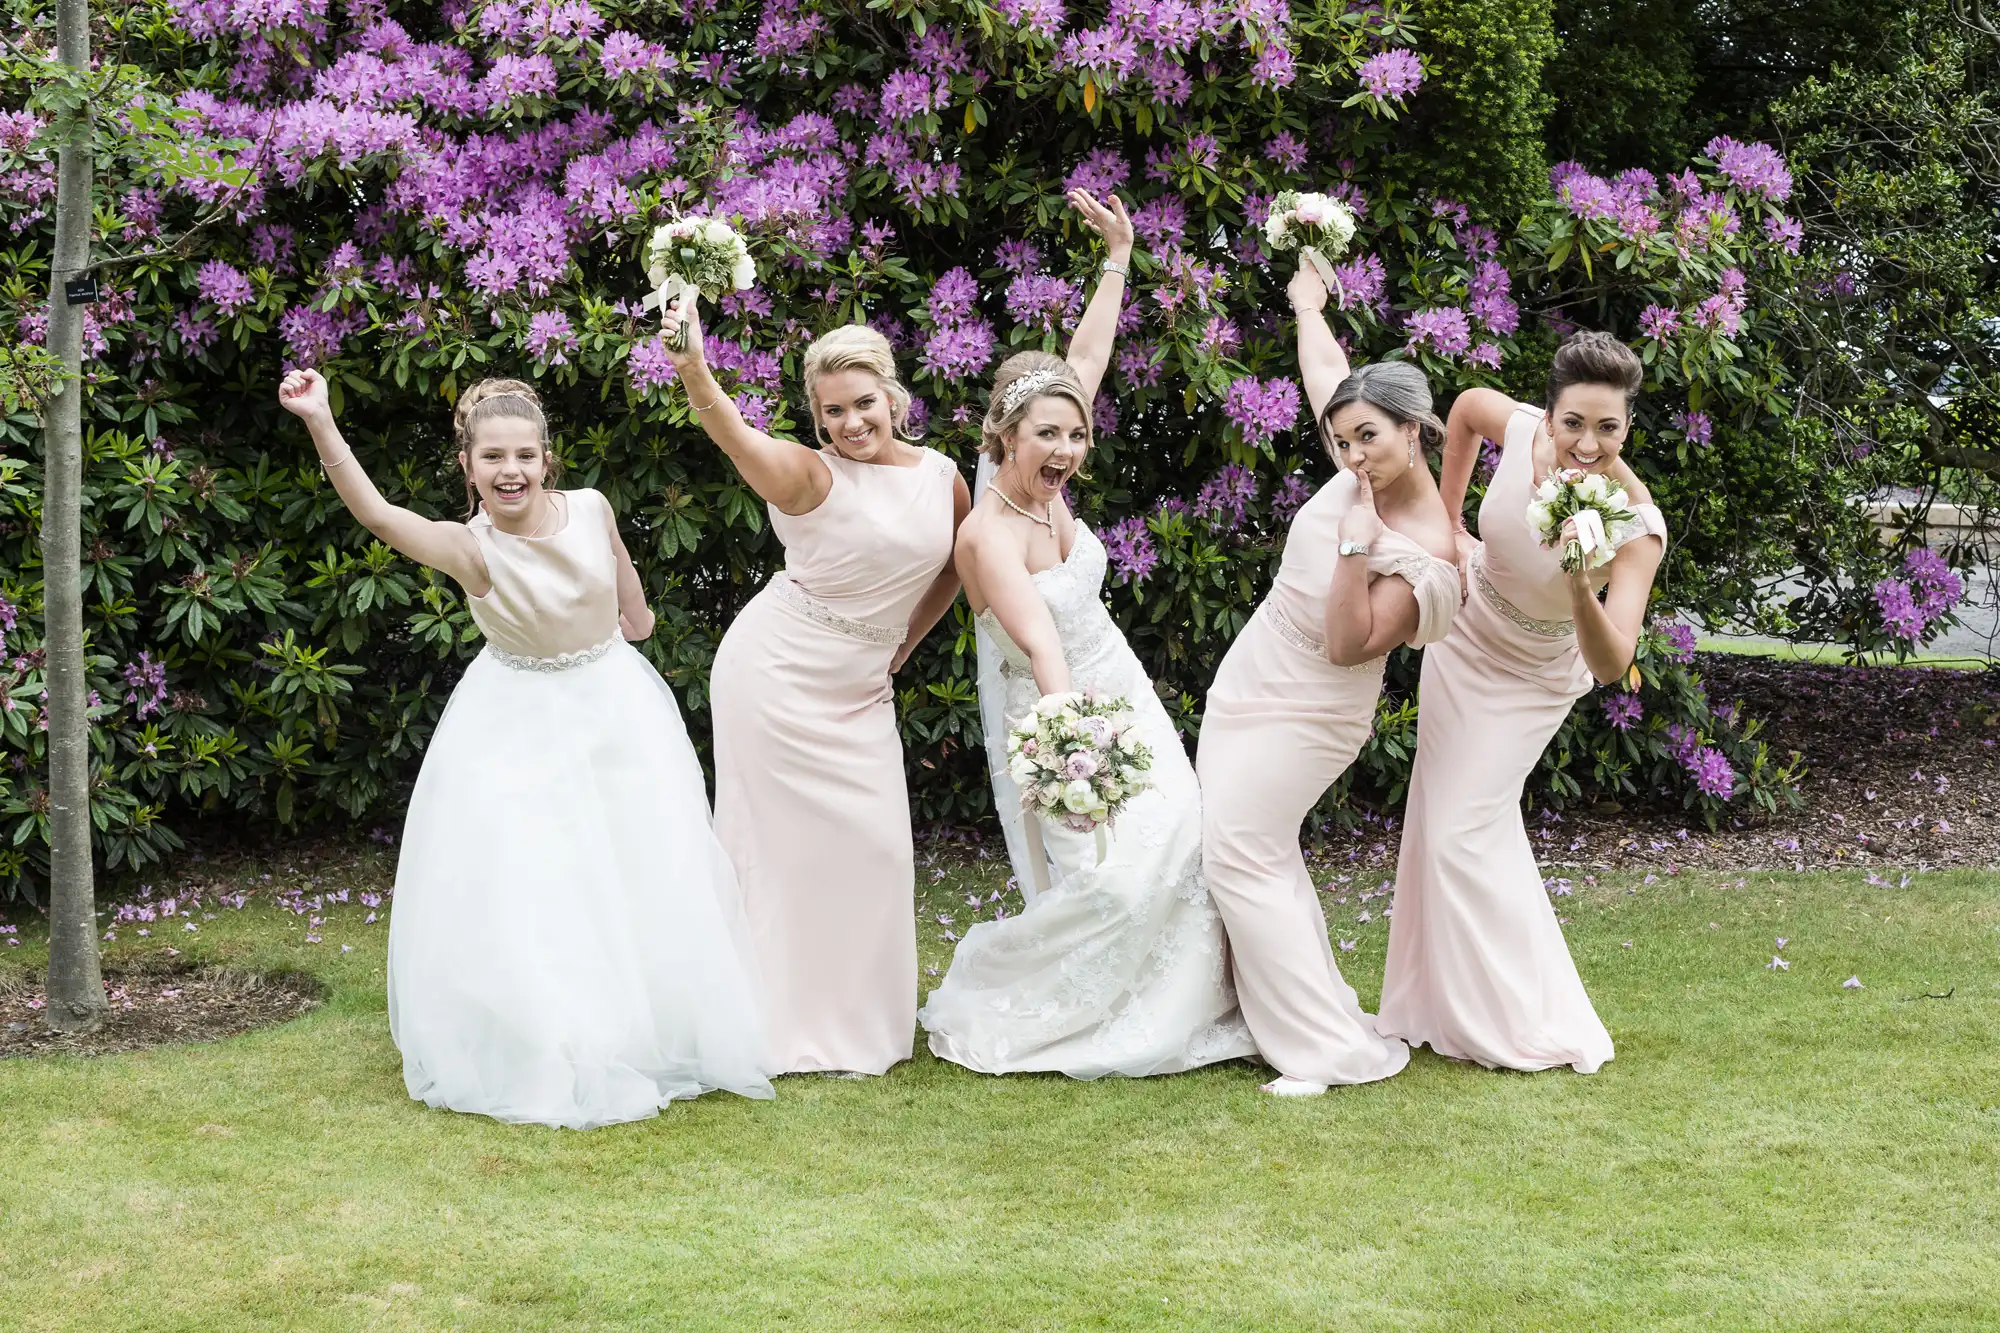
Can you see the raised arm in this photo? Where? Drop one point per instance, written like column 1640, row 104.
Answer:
column 944, row 588
column 995, row 569
column 1365, row 617
column 1476, row 414
column 449, row 547
column 782, row 472
column 1090, row 348
column 1322, row 365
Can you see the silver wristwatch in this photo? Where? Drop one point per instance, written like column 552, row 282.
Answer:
column 1353, row 547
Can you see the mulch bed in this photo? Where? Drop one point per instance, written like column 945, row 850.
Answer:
column 156, row 1003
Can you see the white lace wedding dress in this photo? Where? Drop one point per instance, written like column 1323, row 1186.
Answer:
column 1118, row 967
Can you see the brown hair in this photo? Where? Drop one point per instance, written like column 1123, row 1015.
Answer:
column 1595, row 357
column 1001, row 419
column 493, row 400
column 1395, row 387
column 856, row 347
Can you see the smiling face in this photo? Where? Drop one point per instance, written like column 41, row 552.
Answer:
column 1048, row 445
column 857, row 415
column 1589, row 423
column 1367, row 439
column 507, row 464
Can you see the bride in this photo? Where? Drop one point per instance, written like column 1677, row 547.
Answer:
column 1118, row 965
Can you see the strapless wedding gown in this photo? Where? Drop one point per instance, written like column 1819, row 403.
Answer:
column 1120, row 966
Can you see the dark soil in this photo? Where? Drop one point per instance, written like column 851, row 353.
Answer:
column 156, row 1003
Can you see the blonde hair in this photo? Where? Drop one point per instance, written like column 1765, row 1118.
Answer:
column 1003, row 412
column 495, row 400
column 856, row 347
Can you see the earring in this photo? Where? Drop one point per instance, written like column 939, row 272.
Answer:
column 1413, row 451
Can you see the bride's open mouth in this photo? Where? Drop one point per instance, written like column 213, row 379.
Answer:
column 1052, row 477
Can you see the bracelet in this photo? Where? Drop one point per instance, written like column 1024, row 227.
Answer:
column 711, row 402
column 324, row 465
column 1113, row 266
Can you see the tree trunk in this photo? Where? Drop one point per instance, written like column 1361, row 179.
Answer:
column 76, row 987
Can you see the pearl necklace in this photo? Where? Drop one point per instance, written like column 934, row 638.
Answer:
column 1049, row 522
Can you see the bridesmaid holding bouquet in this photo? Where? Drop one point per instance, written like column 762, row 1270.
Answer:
column 810, row 797
column 1478, row 966
column 1366, row 567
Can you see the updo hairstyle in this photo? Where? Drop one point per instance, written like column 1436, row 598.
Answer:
column 494, row 400
column 856, row 347
column 1595, row 357
column 1395, row 387
column 1057, row 380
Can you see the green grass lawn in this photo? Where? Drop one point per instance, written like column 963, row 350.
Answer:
column 1768, row 1151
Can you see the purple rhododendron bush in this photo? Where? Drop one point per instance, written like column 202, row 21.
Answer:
column 412, row 197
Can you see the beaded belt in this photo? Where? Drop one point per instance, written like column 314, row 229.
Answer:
column 560, row 662
column 1305, row 640
column 1547, row 629
column 788, row 589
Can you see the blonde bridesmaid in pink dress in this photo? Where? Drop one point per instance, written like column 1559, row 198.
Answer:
column 810, row 800
column 1366, row 567
column 1478, row 967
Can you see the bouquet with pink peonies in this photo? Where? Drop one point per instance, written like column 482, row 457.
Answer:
column 1317, row 225
column 690, row 258
column 1595, row 502
column 1078, row 759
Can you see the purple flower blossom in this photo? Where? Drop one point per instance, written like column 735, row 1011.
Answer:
column 1136, row 365
column 549, row 336
column 1444, row 329
column 1038, row 301
column 954, row 296
column 1128, row 547
column 1261, row 408
column 1711, row 772
column 1785, row 232
column 1392, row 75
column 1101, row 171
column 650, row 367
column 958, row 349
column 1104, row 413
column 908, row 94
column 1287, row 150
column 1680, row 640
column 1018, row 256
column 1161, row 222
column 1290, row 497
column 196, row 335
column 145, row 684
column 1362, row 282
column 1754, row 168
column 1044, row 18
column 1225, row 498
column 1623, row 709
column 1659, row 322
column 1696, row 426
column 224, row 288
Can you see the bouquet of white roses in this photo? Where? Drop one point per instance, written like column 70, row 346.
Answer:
column 1078, row 759
column 1316, row 225
column 694, row 257
column 1594, row 501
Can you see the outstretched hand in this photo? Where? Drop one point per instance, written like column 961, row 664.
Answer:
column 303, row 394
column 1108, row 220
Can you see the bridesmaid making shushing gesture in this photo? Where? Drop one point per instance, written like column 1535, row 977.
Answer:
column 810, row 798
column 1366, row 567
column 1478, row 966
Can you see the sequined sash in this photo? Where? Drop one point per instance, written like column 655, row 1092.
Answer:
column 560, row 662
column 787, row 588
column 1547, row 629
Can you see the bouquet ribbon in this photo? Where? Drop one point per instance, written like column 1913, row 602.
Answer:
column 1324, row 268
column 689, row 296
column 1590, row 535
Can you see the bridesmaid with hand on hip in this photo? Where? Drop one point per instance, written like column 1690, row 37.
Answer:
column 1366, row 566
column 1478, row 966
column 810, row 800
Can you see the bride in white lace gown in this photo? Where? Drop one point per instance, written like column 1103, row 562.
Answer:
column 1118, row 964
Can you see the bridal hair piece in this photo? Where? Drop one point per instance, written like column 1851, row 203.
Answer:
column 856, row 347
column 1021, row 379
column 1596, row 357
column 496, row 400
column 1395, row 387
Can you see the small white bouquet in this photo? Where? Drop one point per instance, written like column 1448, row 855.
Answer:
column 694, row 257
column 1078, row 759
column 1594, row 501
column 1317, row 225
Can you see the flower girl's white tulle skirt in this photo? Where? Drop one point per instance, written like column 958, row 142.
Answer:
column 567, row 947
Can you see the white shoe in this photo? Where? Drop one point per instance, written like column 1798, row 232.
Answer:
column 1286, row 1086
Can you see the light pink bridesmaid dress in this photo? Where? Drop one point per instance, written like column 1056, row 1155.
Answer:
column 1478, row 966
column 1283, row 724
column 810, row 800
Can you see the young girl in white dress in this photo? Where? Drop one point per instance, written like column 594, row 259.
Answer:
column 567, row 946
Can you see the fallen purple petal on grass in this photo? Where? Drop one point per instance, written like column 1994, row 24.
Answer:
column 1347, row 946
column 1777, row 965
column 1627, row 944
column 1782, row 941
column 1852, row 983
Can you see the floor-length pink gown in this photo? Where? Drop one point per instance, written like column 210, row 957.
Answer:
column 1478, row 967
column 1283, row 724
column 810, row 799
